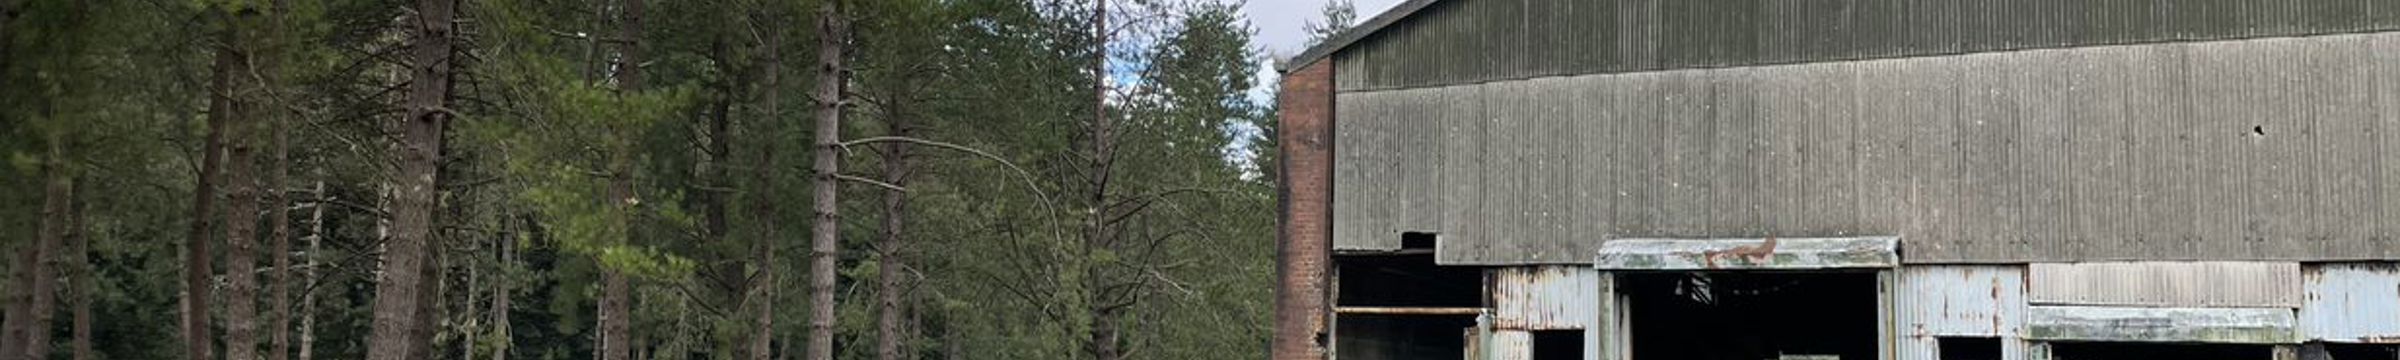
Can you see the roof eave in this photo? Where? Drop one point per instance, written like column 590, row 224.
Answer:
column 1349, row 36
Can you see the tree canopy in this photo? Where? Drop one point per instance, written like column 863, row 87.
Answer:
column 614, row 179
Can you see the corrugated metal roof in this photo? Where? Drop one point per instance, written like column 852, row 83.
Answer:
column 2352, row 303
column 1431, row 43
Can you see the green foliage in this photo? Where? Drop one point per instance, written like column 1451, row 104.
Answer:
column 546, row 145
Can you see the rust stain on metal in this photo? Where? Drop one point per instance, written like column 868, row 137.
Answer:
column 1543, row 297
column 1761, row 253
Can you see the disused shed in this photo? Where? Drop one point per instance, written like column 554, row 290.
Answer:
column 1845, row 179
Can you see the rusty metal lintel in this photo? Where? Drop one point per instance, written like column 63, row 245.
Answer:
column 1397, row 310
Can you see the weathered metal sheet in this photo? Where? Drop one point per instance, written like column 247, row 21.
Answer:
column 1556, row 297
column 2133, row 152
column 2173, row 284
column 2352, row 302
column 1962, row 300
column 1453, row 42
column 1769, row 253
column 2145, row 324
column 1509, row 345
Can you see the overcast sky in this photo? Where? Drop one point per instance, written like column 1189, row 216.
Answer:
column 1281, row 23
column 1281, row 26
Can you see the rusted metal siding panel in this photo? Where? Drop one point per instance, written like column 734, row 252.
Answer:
column 1749, row 254
column 2352, row 302
column 1467, row 41
column 1509, row 345
column 2179, row 284
column 2148, row 324
column 2136, row 152
column 1962, row 300
column 1544, row 297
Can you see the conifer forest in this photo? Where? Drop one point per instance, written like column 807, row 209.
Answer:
column 634, row 179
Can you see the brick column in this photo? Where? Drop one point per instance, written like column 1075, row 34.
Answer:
column 1305, row 222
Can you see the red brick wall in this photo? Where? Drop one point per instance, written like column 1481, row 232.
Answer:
column 1305, row 238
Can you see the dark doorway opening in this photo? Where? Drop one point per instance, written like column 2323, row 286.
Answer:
column 2146, row 351
column 1968, row 348
column 1558, row 345
column 2362, row 351
column 1401, row 337
column 1751, row 315
column 1406, row 280
column 1403, row 306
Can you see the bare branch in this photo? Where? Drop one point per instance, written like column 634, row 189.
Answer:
column 870, row 182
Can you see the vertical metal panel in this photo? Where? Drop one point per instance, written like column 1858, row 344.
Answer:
column 2386, row 77
column 1463, row 190
column 1971, row 300
column 1555, row 297
column 1467, row 41
column 2184, row 284
column 1959, row 301
column 1510, row 345
column 2352, row 302
column 2138, row 152
column 1363, row 169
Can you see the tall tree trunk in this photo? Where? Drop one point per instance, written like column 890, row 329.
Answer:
column 501, row 296
column 400, row 312
column 241, row 237
column 616, row 296
column 1103, row 327
column 895, row 212
column 41, row 293
column 279, row 219
column 763, row 200
column 308, row 295
column 280, row 249
column 824, row 244
column 84, row 286
column 241, row 220
column 198, row 345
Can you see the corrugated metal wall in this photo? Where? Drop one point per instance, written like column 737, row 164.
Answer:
column 1465, row 41
column 2167, row 284
column 1544, row 297
column 1960, row 301
column 2262, row 149
column 2352, row 303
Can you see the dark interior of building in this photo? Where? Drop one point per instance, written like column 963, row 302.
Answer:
column 2362, row 352
column 1404, row 280
column 2145, row 351
column 1558, row 345
column 1410, row 280
column 1750, row 315
column 1402, row 337
column 1968, row 348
